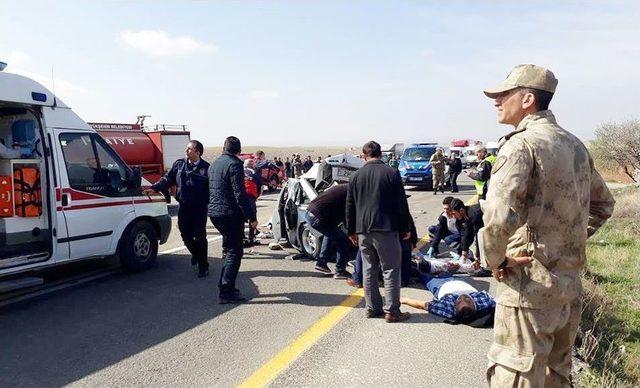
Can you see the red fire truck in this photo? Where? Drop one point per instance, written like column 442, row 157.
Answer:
column 153, row 149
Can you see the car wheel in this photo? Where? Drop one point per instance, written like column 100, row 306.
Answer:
column 273, row 183
column 139, row 247
column 309, row 244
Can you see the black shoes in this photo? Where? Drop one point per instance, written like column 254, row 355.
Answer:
column 203, row 272
column 344, row 274
column 373, row 313
column 399, row 317
column 323, row 268
column 231, row 297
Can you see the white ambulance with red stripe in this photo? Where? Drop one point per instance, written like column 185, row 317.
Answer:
column 65, row 195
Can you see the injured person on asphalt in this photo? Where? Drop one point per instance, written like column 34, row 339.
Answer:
column 453, row 298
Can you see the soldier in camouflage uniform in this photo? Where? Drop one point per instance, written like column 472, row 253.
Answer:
column 545, row 199
column 437, row 161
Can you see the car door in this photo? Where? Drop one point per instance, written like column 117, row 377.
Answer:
column 95, row 194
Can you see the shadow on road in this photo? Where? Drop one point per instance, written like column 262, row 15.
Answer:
column 88, row 328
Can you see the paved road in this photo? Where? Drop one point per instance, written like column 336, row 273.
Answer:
column 163, row 327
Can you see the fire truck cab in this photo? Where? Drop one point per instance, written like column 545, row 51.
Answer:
column 65, row 195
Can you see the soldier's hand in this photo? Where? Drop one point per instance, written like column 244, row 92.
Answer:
column 518, row 261
column 476, row 265
column 148, row 191
column 406, row 236
column 254, row 224
column 512, row 263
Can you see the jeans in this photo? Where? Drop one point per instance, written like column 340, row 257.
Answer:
column 405, row 268
column 438, row 235
column 232, row 230
column 357, row 268
column 192, row 223
column 334, row 237
column 434, row 283
column 252, row 231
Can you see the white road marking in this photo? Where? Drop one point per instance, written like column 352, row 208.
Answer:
column 178, row 249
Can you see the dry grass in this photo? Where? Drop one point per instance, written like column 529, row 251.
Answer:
column 612, row 173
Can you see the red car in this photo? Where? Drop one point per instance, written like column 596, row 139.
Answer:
column 272, row 175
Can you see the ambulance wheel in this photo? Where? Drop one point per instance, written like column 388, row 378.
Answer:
column 139, row 247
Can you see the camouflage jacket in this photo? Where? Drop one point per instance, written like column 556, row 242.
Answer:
column 544, row 200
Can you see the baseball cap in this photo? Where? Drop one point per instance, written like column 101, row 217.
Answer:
column 528, row 76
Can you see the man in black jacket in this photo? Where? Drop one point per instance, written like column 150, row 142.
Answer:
column 469, row 222
column 228, row 209
column 377, row 211
column 326, row 214
column 189, row 177
column 446, row 229
column 455, row 168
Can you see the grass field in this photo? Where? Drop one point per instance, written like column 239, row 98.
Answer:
column 610, row 329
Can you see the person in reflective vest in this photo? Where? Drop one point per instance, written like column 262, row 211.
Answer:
column 482, row 172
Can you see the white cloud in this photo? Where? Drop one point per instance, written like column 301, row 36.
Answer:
column 264, row 94
column 161, row 44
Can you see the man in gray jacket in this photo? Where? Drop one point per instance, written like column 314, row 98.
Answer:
column 376, row 212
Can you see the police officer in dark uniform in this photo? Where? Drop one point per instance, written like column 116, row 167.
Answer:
column 191, row 179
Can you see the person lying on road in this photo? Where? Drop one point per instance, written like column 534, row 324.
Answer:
column 454, row 299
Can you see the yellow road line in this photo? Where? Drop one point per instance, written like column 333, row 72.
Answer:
column 272, row 368
column 269, row 371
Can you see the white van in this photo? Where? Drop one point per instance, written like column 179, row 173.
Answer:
column 67, row 196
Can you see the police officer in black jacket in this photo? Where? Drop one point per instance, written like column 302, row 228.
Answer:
column 190, row 177
column 229, row 207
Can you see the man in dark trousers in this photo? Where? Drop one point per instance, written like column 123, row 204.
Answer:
column 228, row 209
column 377, row 212
column 326, row 214
column 189, row 176
column 455, row 168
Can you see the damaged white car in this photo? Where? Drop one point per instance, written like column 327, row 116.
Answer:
column 289, row 220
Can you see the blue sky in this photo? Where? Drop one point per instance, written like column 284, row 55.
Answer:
column 325, row 72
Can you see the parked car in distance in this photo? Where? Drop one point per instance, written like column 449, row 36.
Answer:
column 272, row 175
column 414, row 167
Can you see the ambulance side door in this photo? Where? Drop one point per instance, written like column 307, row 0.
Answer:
column 57, row 162
column 95, row 196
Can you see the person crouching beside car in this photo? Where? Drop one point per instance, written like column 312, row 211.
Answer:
column 326, row 213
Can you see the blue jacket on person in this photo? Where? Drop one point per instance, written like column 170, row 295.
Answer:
column 227, row 195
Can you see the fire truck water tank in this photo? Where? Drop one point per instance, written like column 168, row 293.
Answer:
column 134, row 147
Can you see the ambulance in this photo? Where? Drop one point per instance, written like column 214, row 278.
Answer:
column 65, row 194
